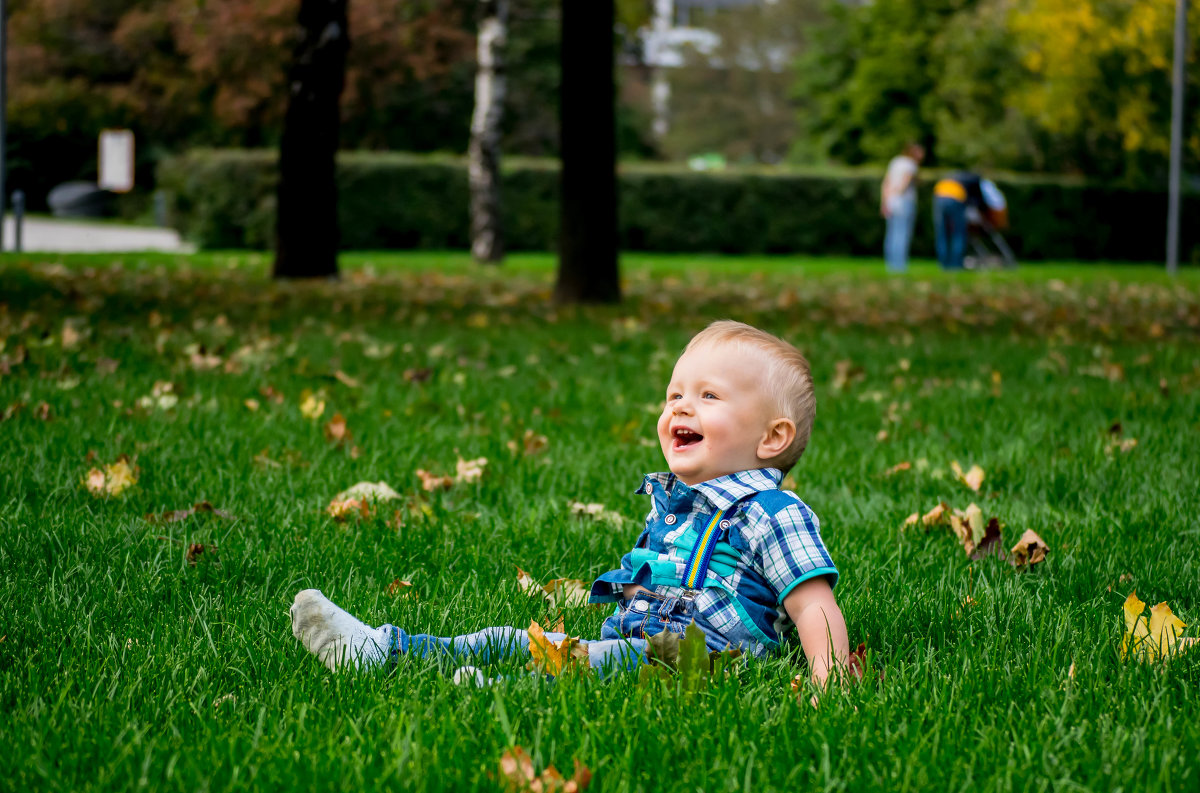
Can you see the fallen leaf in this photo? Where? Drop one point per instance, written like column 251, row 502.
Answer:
column 346, row 379
column 1155, row 639
column 432, row 482
column 113, row 480
column 969, row 526
column 567, row 592
column 251, row 404
column 341, row 509
column 517, row 770
column 554, row 658
column 531, row 444
column 598, row 512
column 162, row 397
column 196, row 549
column 897, row 468
column 368, row 491
column 936, row 515
column 1030, row 549
column 912, row 520
column 397, row 586
column 417, row 375
column 311, row 405
column 271, row 393
column 336, row 431
column 972, row 478
column 470, row 470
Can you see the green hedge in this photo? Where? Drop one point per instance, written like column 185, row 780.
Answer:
column 226, row 199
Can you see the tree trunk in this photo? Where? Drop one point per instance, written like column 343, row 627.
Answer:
column 483, row 153
column 306, row 227
column 587, row 263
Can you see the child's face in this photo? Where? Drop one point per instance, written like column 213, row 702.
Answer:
column 716, row 413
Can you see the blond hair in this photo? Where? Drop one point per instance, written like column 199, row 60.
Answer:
column 788, row 379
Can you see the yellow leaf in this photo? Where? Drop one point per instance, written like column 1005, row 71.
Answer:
column 972, row 478
column 311, row 406
column 554, row 658
column 1165, row 628
column 1154, row 639
column 935, row 516
column 114, row 480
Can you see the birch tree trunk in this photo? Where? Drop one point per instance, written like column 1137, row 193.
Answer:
column 587, row 240
column 306, row 227
column 483, row 153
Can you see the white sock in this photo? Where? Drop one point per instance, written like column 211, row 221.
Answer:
column 335, row 636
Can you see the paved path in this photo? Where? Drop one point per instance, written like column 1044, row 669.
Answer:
column 80, row 236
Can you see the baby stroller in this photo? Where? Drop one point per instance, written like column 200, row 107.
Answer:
column 990, row 249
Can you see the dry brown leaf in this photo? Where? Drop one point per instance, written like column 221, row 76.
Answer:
column 912, row 520
column 972, row 478
column 1030, row 549
column 467, row 471
column 935, row 516
column 368, row 491
column 897, row 468
column 432, row 482
column 527, row 585
column 567, row 592
column 336, row 431
column 346, row 379
column 417, row 375
column 397, row 586
column 531, row 444
column 342, row 509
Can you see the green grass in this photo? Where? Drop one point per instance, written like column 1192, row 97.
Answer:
column 118, row 659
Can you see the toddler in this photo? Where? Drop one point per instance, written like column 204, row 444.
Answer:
column 723, row 546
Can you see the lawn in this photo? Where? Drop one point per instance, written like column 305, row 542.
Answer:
column 130, row 659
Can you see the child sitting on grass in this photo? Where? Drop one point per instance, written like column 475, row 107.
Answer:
column 723, row 547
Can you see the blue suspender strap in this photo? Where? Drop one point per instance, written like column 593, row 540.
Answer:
column 696, row 570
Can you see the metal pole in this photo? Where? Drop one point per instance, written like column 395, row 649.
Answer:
column 18, row 218
column 3, row 112
column 1176, row 136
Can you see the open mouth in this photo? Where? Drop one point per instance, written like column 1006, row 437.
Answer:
column 685, row 438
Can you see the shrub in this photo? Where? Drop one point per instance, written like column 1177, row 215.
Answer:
column 226, row 199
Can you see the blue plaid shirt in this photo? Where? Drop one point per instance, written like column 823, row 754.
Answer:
column 772, row 544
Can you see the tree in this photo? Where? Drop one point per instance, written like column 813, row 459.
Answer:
column 587, row 260
column 483, row 153
column 306, row 230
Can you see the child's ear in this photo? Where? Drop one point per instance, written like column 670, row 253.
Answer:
column 778, row 437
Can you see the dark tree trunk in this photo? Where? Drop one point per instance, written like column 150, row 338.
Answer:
column 483, row 153
column 306, row 228
column 587, row 263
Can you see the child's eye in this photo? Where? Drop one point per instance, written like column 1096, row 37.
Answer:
column 709, row 395
column 674, row 396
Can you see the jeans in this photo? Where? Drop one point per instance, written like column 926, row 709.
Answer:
column 900, row 223
column 621, row 646
column 950, row 224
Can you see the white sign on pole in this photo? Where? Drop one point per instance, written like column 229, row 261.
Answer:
column 116, row 160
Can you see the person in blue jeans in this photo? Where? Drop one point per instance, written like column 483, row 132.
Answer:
column 951, row 197
column 723, row 547
column 898, row 205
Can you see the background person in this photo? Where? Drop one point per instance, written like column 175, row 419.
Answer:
column 898, row 204
column 952, row 195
